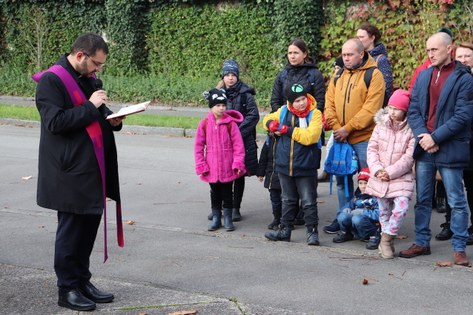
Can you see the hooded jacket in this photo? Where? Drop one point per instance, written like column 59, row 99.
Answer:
column 297, row 153
column 380, row 55
column 250, row 113
column 390, row 148
column 452, row 128
column 68, row 173
column 305, row 74
column 219, row 149
column 351, row 105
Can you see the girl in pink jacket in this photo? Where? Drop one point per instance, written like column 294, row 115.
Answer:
column 219, row 155
column 390, row 160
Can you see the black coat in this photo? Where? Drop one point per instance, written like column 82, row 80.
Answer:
column 68, row 173
column 266, row 165
column 240, row 97
column 305, row 74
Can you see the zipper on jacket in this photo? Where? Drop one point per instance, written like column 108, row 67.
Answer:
column 346, row 97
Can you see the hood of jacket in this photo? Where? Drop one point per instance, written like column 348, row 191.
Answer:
column 379, row 49
column 381, row 118
column 229, row 116
column 239, row 88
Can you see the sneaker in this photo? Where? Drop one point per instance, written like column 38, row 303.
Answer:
column 343, row 237
column 373, row 242
column 415, row 250
column 446, row 233
column 274, row 225
column 460, row 258
column 312, row 236
column 332, row 228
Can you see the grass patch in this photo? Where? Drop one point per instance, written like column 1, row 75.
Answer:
column 149, row 120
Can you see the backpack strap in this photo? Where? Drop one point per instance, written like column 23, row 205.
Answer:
column 367, row 77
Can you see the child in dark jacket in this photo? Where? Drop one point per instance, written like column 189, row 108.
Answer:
column 266, row 171
column 359, row 217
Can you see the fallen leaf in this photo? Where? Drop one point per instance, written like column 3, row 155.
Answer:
column 27, row 177
column 365, row 281
column 401, row 237
column 142, row 313
column 444, row 263
column 130, row 222
column 191, row 312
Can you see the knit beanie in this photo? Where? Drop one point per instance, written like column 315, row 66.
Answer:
column 294, row 91
column 216, row 96
column 230, row 66
column 364, row 174
column 400, row 99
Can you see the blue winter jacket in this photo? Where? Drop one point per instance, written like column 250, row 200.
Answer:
column 452, row 129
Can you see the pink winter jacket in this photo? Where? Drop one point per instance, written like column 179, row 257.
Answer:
column 219, row 150
column 390, row 148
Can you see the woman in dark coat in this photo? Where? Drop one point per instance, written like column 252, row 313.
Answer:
column 240, row 97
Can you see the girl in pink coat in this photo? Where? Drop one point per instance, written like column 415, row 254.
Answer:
column 389, row 157
column 219, row 155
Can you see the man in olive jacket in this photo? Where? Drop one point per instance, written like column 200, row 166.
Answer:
column 350, row 106
column 71, row 174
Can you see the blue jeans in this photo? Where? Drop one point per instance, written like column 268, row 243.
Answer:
column 293, row 189
column 453, row 181
column 360, row 150
column 359, row 225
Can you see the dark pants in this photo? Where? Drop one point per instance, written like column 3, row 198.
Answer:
column 221, row 193
column 276, row 202
column 294, row 188
column 238, row 190
column 75, row 238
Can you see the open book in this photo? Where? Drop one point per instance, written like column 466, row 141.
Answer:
column 128, row 110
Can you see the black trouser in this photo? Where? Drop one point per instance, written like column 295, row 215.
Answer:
column 221, row 193
column 238, row 190
column 75, row 238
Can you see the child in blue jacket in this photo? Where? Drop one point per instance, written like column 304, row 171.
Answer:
column 360, row 216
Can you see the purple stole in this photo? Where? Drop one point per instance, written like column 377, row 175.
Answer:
column 95, row 133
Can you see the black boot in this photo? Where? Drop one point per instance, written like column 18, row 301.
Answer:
column 216, row 220
column 441, row 205
column 275, row 224
column 374, row 240
column 227, row 219
column 236, row 215
column 446, row 233
column 210, row 216
column 282, row 234
column 312, row 235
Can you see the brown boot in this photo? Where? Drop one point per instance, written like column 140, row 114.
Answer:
column 460, row 258
column 385, row 246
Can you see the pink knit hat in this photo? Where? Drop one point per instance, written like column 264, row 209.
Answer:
column 400, row 99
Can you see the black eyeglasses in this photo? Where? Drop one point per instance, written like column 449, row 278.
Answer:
column 97, row 64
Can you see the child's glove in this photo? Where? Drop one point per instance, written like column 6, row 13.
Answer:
column 273, row 126
column 283, row 129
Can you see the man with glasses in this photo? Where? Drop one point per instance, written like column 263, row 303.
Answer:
column 77, row 165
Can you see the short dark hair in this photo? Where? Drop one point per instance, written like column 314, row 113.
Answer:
column 89, row 43
column 371, row 30
column 299, row 43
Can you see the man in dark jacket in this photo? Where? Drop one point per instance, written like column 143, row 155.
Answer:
column 440, row 116
column 77, row 164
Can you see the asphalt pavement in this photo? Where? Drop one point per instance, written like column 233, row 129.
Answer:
column 171, row 263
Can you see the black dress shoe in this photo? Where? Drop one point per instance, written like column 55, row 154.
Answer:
column 91, row 292
column 74, row 300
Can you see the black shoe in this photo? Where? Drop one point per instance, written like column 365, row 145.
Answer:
column 236, row 214
column 210, row 216
column 75, row 300
column 94, row 294
column 283, row 234
column 373, row 242
column 441, row 205
column 332, row 228
column 446, row 233
column 343, row 237
column 274, row 225
column 312, row 236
